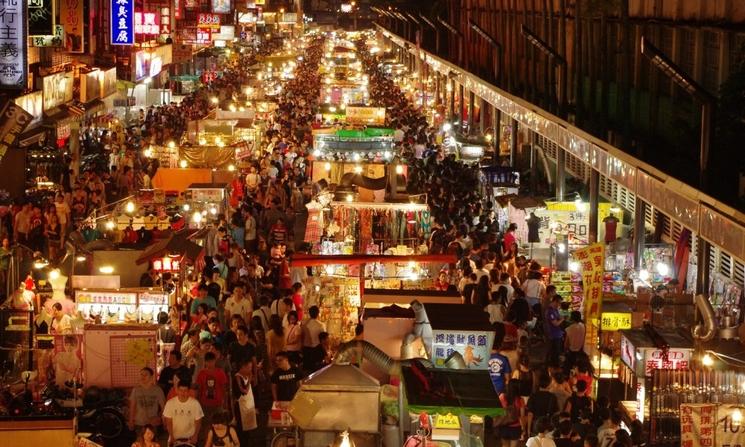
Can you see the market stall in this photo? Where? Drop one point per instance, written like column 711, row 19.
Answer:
column 338, row 284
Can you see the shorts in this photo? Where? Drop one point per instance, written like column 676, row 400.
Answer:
column 510, row 432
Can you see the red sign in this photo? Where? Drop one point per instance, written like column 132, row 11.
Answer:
column 675, row 359
column 147, row 23
column 204, row 35
column 211, row 21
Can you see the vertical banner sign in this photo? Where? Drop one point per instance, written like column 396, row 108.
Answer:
column 13, row 70
column 71, row 17
column 41, row 17
column 730, row 427
column 12, row 123
column 592, row 263
column 697, row 423
column 122, row 22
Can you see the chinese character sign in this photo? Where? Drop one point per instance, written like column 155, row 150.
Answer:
column 40, row 17
column 474, row 346
column 697, row 423
column 146, row 23
column 615, row 321
column 730, row 427
column 122, row 22
column 672, row 359
column 592, row 262
column 208, row 21
column 13, row 44
column 71, row 18
column 12, row 123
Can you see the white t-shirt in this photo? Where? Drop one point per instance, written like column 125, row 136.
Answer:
column 63, row 210
column 184, row 416
column 575, row 337
column 242, row 308
column 538, row 441
column 496, row 312
column 311, row 329
column 533, row 288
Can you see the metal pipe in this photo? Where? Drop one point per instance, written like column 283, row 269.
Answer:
column 592, row 235
column 705, row 330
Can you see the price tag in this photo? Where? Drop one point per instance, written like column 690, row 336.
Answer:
column 447, row 422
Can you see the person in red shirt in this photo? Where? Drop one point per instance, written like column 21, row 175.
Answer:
column 212, row 385
column 278, row 231
column 297, row 299
column 509, row 239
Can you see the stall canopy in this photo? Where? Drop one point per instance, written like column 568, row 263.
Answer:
column 459, row 392
column 177, row 244
column 303, row 260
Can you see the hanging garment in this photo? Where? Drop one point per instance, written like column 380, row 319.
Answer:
column 425, row 221
column 365, row 224
column 314, row 224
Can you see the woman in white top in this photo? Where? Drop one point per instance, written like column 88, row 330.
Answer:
column 534, row 288
column 543, row 436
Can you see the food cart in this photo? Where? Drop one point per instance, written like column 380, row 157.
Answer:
column 338, row 398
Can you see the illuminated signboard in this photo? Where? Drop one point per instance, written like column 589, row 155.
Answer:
column 615, row 321
column 57, row 89
column 676, row 359
column 204, row 35
column 122, row 22
column 147, row 23
column 13, row 67
column 55, row 40
column 41, row 17
column 71, row 17
column 474, row 346
column 208, row 21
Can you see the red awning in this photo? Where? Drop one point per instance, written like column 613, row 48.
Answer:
column 303, row 260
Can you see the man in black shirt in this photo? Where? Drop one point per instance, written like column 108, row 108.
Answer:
column 285, row 379
column 165, row 381
column 242, row 349
column 542, row 402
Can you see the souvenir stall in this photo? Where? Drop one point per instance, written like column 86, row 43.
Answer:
column 117, row 306
column 725, row 297
column 339, row 283
column 645, row 352
column 500, row 181
column 456, row 393
column 370, row 228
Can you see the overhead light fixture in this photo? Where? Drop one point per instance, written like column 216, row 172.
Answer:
column 106, row 269
column 129, row 207
column 54, row 274
column 182, row 163
column 707, row 360
column 80, row 258
column 110, row 225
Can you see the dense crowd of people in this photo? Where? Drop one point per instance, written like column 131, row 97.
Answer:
column 243, row 333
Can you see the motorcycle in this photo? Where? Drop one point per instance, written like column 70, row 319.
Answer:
column 98, row 413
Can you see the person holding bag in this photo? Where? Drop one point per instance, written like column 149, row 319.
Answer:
column 245, row 405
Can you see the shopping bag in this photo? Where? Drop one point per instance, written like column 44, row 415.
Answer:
column 247, row 408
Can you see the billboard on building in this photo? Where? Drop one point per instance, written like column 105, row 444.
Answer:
column 71, row 18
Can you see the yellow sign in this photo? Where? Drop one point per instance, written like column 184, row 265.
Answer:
column 447, row 422
column 615, row 321
column 366, row 115
column 591, row 261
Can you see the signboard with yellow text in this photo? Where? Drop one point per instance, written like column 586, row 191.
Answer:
column 366, row 115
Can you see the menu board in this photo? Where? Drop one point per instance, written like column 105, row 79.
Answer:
column 569, row 286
